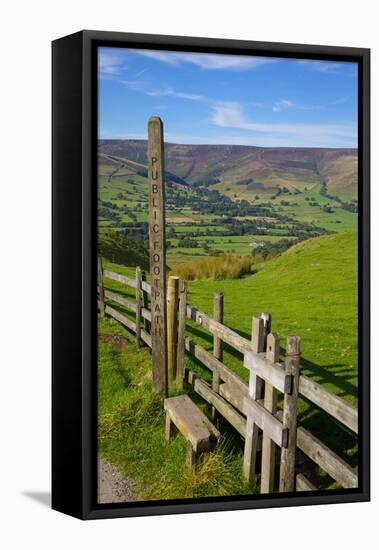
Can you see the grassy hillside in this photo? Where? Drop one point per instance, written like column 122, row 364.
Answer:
column 120, row 250
column 310, row 290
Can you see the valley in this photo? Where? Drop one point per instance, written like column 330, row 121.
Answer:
column 229, row 199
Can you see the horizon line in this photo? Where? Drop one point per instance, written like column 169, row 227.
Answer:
column 234, row 144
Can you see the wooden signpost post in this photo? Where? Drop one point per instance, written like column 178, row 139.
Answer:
column 157, row 245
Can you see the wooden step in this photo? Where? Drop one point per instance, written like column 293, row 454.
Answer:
column 191, row 422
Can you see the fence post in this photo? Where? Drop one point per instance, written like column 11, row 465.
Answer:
column 270, row 403
column 100, row 284
column 145, row 303
column 172, row 325
column 138, row 305
column 287, row 457
column 218, row 315
column 183, row 289
column 255, row 392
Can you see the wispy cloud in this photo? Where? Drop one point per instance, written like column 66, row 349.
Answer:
column 109, row 65
column 208, row 61
column 230, row 115
column 282, row 105
column 145, row 87
column 321, row 66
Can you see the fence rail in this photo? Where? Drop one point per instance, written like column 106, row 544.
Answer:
column 250, row 408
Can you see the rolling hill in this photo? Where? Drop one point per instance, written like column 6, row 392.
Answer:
column 230, row 167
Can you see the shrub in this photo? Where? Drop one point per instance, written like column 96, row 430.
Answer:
column 225, row 266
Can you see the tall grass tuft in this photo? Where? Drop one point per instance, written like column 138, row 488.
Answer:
column 226, row 266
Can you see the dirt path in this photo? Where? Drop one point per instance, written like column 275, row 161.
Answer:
column 112, row 486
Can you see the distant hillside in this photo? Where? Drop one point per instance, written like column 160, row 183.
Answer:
column 118, row 249
column 261, row 169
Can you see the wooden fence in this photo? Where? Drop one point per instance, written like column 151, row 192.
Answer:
column 270, row 432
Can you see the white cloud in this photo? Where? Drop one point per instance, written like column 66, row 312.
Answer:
column 208, row 61
column 109, row 65
column 144, row 87
column 282, row 105
column 230, row 115
column 321, row 66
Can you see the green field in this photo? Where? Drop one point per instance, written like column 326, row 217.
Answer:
column 307, row 296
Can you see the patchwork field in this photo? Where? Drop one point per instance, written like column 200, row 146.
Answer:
column 229, row 199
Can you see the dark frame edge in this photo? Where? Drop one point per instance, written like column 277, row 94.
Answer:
column 67, row 128
column 83, row 504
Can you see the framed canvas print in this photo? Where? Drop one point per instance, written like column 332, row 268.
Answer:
column 210, row 274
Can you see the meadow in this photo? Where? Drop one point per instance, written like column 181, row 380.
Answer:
column 306, row 296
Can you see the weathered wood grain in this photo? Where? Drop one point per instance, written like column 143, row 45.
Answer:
column 327, row 459
column 146, row 287
column 266, row 422
column 288, row 454
column 213, row 363
column 145, row 336
column 157, row 254
column 120, row 278
column 274, row 373
column 233, row 395
column 270, row 404
column 256, row 388
column 190, row 421
column 225, row 409
column 333, row 404
column 146, row 314
column 183, row 289
column 172, row 326
column 119, row 299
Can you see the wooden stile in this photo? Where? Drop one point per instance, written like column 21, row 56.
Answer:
column 270, row 404
column 183, row 289
column 172, row 325
column 138, row 306
column 255, row 392
column 100, row 284
column 288, row 454
column 202, row 388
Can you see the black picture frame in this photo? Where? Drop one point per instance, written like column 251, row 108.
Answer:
column 74, row 132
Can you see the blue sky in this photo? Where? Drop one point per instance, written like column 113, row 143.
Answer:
column 227, row 99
